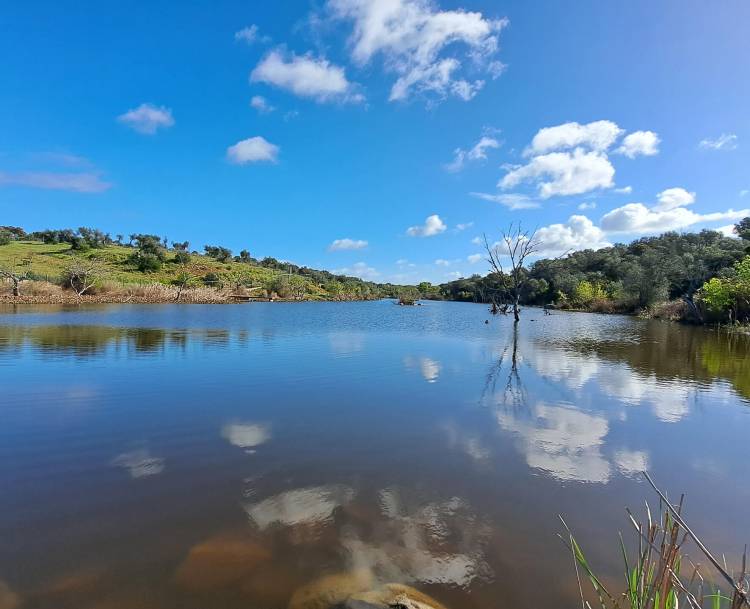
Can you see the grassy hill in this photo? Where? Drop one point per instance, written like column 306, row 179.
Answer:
column 48, row 262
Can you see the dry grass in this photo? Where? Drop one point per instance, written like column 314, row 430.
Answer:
column 42, row 292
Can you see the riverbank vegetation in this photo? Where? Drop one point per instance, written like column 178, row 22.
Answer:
column 701, row 277
column 87, row 264
column 658, row 571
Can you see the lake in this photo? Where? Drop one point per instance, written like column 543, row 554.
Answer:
column 192, row 456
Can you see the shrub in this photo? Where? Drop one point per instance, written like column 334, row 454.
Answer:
column 5, row 237
column 181, row 257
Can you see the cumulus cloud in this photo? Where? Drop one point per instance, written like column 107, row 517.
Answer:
column 347, row 244
column 598, row 135
column 359, row 269
column 512, row 201
column 85, row 182
column 261, row 104
column 563, row 173
column 477, row 152
column 726, row 141
column 587, row 205
column 578, row 233
column 644, row 143
column 253, row 150
column 668, row 213
column 147, row 118
column 411, row 37
column 573, row 158
column 672, row 198
column 306, row 76
column 432, row 226
column 625, row 190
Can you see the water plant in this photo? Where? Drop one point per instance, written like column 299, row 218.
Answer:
column 661, row 575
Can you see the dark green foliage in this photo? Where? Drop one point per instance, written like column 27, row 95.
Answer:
column 181, row 257
column 222, row 254
column 5, row 237
column 635, row 276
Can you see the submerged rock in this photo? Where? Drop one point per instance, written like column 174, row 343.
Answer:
column 219, row 562
column 8, row 598
column 392, row 596
column 331, row 590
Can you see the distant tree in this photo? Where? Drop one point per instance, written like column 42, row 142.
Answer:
column 5, row 237
column 118, row 239
column 181, row 257
column 15, row 276
column 149, row 254
column 742, row 229
column 181, row 246
column 222, row 254
column 82, row 274
column 517, row 245
column 245, row 256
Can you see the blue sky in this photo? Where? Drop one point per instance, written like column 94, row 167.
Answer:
column 322, row 132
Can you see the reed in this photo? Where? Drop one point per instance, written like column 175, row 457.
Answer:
column 661, row 575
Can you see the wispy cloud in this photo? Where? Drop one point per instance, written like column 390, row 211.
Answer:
column 250, row 35
column 84, row 182
column 512, row 201
column 477, row 152
column 726, row 141
column 261, row 104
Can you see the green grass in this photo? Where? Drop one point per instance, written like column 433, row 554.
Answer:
column 49, row 261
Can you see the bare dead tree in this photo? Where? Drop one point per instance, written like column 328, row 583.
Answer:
column 15, row 276
column 82, row 275
column 517, row 245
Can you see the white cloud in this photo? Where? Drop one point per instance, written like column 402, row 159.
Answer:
column 475, row 153
column 474, row 258
column 744, row 192
column 261, row 104
column 442, row 262
column 727, row 230
column 454, row 275
column 672, row 198
column 625, row 190
column 432, row 226
column 669, row 213
column 247, row 34
column 253, row 150
column 645, row 143
column 86, row 182
column 512, row 201
column 411, row 36
column 359, row 269
column 578, row 233
column 598, row 136
column 306, row 76
column 567, row 173
column 477, row 241
column 464, row 226
column 587, row 205
column 726, row 141
column 147, row 118
column 347, row 244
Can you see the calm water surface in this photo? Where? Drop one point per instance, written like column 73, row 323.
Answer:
column 223, row 456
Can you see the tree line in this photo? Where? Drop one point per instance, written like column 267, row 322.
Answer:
column 707, row 273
